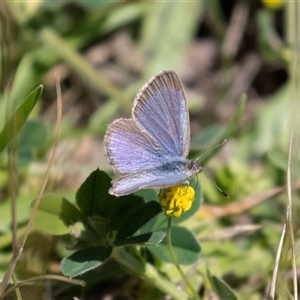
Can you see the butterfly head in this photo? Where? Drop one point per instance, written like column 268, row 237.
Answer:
column 194, row 167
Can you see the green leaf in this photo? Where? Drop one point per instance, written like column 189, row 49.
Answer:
column 22, row 206
column 139, row 218
column 147, row 194
column 92, row 231
column 55, row 215
column 151, row 238
column 122, row 208
column 84, row 260
column 221, row 288
column 33, row 135
column 111, row 270
column 185, row 247
column 25, row 157
column 93, row 199
column 18, row 118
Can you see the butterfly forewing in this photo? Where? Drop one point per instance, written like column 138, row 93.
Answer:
column 161, row 109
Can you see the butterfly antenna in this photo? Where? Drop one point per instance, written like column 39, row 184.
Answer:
column 220, row 144
column 211, row 180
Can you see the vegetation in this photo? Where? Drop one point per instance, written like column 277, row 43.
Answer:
column 71, row 68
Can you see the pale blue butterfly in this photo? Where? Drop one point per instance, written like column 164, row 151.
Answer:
column 150, row 149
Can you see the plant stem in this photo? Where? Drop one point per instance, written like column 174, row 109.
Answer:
column 18, row 293
column 173, row 257
column 147, row 272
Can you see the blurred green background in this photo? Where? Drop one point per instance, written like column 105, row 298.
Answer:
column 103, row 52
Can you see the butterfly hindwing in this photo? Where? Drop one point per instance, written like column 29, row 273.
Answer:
column 155, row 179
column 130, row 149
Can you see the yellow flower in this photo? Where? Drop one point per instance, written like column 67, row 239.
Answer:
column 176, row 200
column 273, row 4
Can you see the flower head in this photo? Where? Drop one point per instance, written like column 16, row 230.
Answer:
column 177, row 200
column 273, row 4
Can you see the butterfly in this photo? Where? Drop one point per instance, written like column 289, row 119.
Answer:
column 150, row 149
